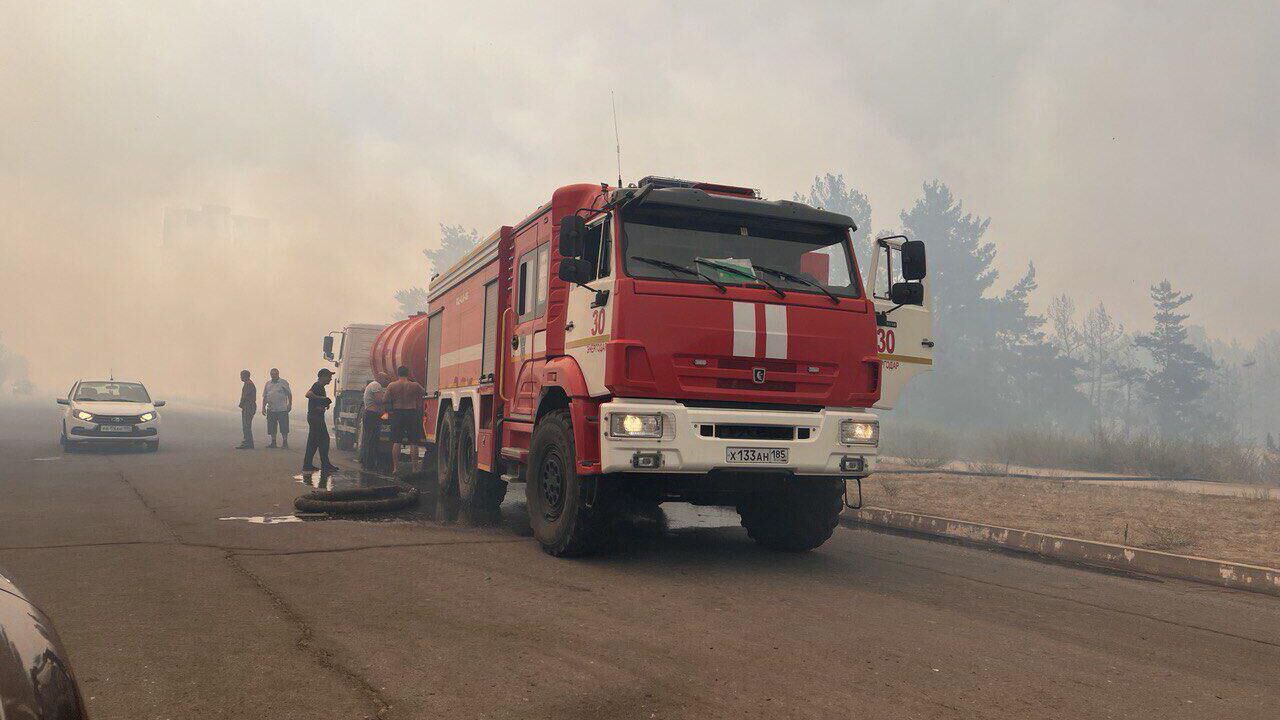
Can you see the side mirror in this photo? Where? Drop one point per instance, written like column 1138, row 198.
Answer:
column 64, row 401
column 158, row 403
column 907, row 293
column 328, row 347
column 573, row 270
column 572, row 228
column 913, row 264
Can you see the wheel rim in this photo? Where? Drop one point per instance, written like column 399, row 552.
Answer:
column 551, row 480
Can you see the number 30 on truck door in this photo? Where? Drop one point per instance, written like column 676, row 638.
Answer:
column 885, row 340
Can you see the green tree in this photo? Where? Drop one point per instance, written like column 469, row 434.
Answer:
column 411, row 301
column 1175, row 388
column 455, row 241
column 831, row 192
column 993, row 363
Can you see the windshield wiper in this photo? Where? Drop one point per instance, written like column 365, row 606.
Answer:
column 797, row 279
column 681, row 268
column 742, row 273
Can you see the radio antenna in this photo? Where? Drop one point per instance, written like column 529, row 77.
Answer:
column 616, row 138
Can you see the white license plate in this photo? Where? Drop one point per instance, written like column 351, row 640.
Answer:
column 116, row 428
column 756, row 456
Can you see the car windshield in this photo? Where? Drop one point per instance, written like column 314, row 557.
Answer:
column 737, row 250
column 112, row 392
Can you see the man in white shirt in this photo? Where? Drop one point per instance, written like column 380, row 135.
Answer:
column 371, row 425
column 277, row 401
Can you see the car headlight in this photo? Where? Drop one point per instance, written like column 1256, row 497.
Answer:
column 857, row 432
column 82, row 415
column 147, row 417
column 633, row 425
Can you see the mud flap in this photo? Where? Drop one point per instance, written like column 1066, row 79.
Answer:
column 858, row 482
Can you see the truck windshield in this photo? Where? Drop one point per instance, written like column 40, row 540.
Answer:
column 738, row 250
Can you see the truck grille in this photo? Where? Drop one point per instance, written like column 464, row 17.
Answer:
column 750, row 432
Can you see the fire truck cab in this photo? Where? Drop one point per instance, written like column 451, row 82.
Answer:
column 672, row 340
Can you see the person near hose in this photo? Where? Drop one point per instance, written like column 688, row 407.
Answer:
column 248, row 408
column 317, row 431
column 277, row 401
column 404, row 398
column 372, row 423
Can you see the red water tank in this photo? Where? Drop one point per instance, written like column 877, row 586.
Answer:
column 402, row 343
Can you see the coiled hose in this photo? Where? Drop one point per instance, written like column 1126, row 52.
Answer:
column 358, row 500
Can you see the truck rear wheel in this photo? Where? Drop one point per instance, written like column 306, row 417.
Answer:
column 480, row 492
column 557, row 497
column 446, row 467
column 796, row 517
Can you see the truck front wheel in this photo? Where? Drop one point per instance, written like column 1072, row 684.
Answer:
column 796, row 517
column 563, row 512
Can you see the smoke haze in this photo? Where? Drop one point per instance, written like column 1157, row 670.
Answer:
column 1114, row 144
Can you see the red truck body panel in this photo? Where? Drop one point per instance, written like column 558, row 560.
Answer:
column 814, row 354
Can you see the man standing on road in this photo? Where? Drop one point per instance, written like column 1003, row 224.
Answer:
column 248, row 408
column 277, row 401
column 317, row 432
column 371, row 424
column 404, row 397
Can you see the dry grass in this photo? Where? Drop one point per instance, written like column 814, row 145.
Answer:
column 1231, row 528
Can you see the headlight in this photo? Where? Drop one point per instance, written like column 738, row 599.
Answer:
column 855, row 432
column 147, row 417
column 630, row 425
column 82, row 415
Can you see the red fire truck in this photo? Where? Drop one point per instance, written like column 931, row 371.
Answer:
column 672, row 340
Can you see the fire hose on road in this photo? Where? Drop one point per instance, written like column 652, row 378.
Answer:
column 358, row 500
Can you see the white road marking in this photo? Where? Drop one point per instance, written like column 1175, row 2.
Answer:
column 265, row 519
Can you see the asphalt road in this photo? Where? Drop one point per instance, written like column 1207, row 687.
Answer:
column 169, row 611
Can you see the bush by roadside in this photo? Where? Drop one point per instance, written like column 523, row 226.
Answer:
column 1095, row 451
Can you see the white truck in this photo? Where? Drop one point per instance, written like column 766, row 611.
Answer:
column 348, row 350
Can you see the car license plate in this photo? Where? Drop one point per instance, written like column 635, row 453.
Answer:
column 756, row 456
column 116, row 428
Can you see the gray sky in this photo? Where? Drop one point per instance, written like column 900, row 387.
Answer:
column 1114, row 144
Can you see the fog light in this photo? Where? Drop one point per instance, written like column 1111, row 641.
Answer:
column 646, row 460
column 852, row 463
column 854, row 432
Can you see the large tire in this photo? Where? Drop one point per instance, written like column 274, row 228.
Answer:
column 446, row 467
column 480, row 492
column 795, row 518
column 557, row 496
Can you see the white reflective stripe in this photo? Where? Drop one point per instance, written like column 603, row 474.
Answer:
column 461, row 355
column 744, row 329
column 775, row 331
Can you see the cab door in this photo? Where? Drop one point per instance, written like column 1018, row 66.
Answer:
column 527, row 340
column 589, row 317
column 903, row 332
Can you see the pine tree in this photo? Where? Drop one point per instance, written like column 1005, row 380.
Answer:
column 830, row 192
column 1178, row 383
column 412, row 301
column 455, row 241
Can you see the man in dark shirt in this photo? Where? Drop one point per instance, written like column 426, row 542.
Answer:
column 248, row 408
column 317, row 432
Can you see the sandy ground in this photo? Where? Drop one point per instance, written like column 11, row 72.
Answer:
column 168, row 611
column 1229, row 528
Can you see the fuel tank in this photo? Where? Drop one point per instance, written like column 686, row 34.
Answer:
column 402, row 343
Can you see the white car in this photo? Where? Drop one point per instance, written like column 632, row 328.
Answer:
column 110, row 412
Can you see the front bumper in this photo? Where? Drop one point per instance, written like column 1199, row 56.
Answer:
column 81, row 431
column 686, row 448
